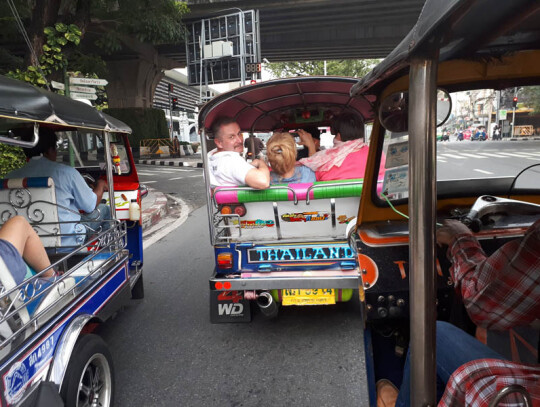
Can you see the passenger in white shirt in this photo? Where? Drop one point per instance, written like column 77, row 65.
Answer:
column 226, row 165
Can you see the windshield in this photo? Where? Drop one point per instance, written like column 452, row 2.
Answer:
column 491, row 142
column 83, row 150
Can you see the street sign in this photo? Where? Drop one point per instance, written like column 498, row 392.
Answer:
column 503, row 114
column 88, row 81
column 57, row 85
column 82, row 89
column 88, row 96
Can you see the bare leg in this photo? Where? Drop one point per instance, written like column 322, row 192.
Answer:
column 20, row 234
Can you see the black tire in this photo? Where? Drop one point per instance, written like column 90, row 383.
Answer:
column 91, row 367
column 137, row 292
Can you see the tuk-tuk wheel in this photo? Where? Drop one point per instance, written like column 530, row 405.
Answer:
column 89, row 377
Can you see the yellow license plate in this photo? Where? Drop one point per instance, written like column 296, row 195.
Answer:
column 316, row 296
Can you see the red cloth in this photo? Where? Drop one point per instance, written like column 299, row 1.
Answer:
column 500, row 292
column 476, row 383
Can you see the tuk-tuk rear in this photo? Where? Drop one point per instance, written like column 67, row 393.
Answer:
column 50, row 350
column 285, row 245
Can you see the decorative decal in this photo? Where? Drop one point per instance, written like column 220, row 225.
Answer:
column 304, row 217
column 255, row 224
column 344, row 219
column 15, row 382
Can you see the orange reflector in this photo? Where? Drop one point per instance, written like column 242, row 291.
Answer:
column 368, row 270
column 226, row 210
column 225, row 260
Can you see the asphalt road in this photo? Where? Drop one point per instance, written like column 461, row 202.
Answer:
column 166, row 352
column 181, row 182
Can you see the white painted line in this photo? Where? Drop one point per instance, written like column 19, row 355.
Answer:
column 195, row 176
column 453, row 156
column 482, row 171
column 148, row 182
column 494, row 155
column 175, row 178
column 534, row 159
column 514, row 155
column 184, row 213
column 473, row 155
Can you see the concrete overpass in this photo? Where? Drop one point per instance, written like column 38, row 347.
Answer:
column 316, row 29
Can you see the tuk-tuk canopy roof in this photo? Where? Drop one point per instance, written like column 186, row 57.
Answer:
column 463, row 29
column 286, row 104
column 22, row 101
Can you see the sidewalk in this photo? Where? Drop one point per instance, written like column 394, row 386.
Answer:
column 154, row 207
column 193, row 160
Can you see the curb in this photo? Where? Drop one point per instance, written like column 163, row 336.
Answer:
column 524, row 138
column 171, row 163
column 153, row 215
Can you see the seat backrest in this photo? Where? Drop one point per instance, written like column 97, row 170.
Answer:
column 300, row 212
column 33, row 198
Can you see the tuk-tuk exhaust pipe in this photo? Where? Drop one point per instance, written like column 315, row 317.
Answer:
column 267, row 304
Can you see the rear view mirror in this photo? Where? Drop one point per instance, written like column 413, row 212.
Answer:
column 394, row 110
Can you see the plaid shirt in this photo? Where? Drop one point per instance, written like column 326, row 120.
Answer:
column 476, row 383
column 500, row 292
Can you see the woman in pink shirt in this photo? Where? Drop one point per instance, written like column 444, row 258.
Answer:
column 347, row 159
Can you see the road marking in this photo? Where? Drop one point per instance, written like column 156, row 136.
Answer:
column 493, row 155
column 148, row 182
column 453, row 156
column 175, row 178
column 482, row 171
column 194, row 176
column 148, row 174
column 514, row 155
column 473, row 155
column 531, row 158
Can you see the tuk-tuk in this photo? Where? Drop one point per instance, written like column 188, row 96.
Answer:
column 51, row 353
column 458, row 53
column 285, row 245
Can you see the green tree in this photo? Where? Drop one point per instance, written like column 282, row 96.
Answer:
column 530, row 97
column 11, row 158
column 106, row 26
column 349, row 67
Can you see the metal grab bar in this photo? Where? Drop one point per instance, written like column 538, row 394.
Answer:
column 513, row 388
column 337, row 184
column 228, row 189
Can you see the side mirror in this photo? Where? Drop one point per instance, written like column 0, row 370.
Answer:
column 394, row 110
column 144, row 191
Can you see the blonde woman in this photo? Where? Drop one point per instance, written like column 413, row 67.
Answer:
column 281, row 152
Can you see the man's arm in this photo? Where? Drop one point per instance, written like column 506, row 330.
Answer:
column 496, row 290
column 258, row 177
column 101, row 186
column 307, row 141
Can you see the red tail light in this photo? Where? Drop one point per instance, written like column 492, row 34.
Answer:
column 225, row 260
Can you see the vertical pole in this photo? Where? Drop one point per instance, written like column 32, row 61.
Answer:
column 67, row 94
column 170, row 111
column 242, row 48
column 108, row 168
column 422, row 211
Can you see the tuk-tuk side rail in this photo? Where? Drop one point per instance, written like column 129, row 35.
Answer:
column 27, row 306
column 222, row 226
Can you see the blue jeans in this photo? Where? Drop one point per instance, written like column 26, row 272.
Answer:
column 454, row 348
column 96, row 221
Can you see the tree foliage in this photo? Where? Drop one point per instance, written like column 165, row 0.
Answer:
column 349, row 67
column 530, row 96
column 53, row 57
column 11, row 158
